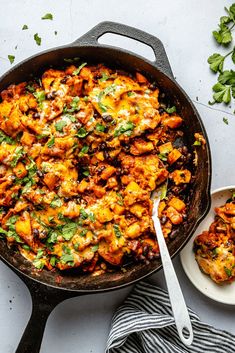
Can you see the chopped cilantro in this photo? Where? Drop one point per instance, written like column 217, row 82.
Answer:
column 25, row 27
column 95, row 248
column 53, row 261
column 56, row 202
column 39, row 254
column 26, row 247
column 83, row 151
column 11, row 58
column 228, row 271
column 130, row 93
column 170, row 110
column 197, row 143
column 82, row 133
column 60, row 125
column 40, row 96
column 68, row 230
column 125, row 129
column 74, row 106
column 5, row 138
column 104, row 77
column 47, row 16
column 39, row 264
column 83, row 213
column 37, row 39
column 100, row 127
column 67, row 258
column 77, row 71
column 225, row 120
column 117, row 231
column 18, row 153
column 51, row 142
column 162, row 156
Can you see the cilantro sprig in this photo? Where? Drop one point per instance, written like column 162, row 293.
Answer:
column 224, row 89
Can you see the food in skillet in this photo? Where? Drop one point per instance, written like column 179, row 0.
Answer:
column 81, row 151
column 215, row 248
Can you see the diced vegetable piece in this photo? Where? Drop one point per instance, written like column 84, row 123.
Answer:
column 20, row 170
column 178, row 204
column 174, row 216
column 173, row 156
column 107, row 172
column 141, row 78
column 172, row 122
column 104, row 215
column 181, row 176
column 165, row 148
column 133, row 231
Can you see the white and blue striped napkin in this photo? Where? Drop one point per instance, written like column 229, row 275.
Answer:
column 144, row 324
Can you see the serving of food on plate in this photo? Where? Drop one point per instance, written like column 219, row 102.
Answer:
column 209, row 257
column 81, row 151
column 215, row 248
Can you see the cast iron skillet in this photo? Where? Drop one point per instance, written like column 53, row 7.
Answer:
column 50, row 288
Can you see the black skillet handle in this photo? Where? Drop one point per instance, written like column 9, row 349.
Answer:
column 161, row 59
column 44, row 300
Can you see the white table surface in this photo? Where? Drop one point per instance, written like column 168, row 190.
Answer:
column 81, row 325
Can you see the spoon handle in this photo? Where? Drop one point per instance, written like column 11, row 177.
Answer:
column 179, row 308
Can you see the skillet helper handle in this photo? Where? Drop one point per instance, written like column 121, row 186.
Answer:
column 44, row 300
column 161, row 59
column 179, row 308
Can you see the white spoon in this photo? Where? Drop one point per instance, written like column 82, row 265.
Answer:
column 179, row 308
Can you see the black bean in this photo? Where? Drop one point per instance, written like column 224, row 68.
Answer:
column 163, row 220
column 161, row 111
column 107, row 118
column 51, row 95
column 103, row 146
column 64, row 80
column 36, row 115
column 173, row 234
column 106, row 154
column 35, row 232
column 40, row 174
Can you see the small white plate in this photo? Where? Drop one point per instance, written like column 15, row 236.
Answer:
column 225, row 293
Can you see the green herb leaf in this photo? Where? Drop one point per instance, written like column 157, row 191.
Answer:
column 83, row 151
column 74, row 106
column 82, row 133
column 77, row 71
column 11, row 58
column 51, row 142
column 39, row 254
column 83, row 214
column 3, row 231
column 37, row 39
column 216, row 62
column 47, row 16
column 24, row 27
column 18, row 153
column 225, row 120
column 53, row 261
column 100, row 127
column 130, row 93
column 40, row 96
column 95, row 248
column 125, row 129
column 104, row 77
column 5, row 138
column 39, row 264
column 227, row 77
column 56, row 202
column 117, row 231
column 60, row 125
column 67, row 258
column 197, row 143
column 171, row 110
column 222, row 93
column 228, row 271
column 69, row 230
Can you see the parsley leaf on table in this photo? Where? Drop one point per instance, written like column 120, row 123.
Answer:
column 47, row 16
column 37, row 39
